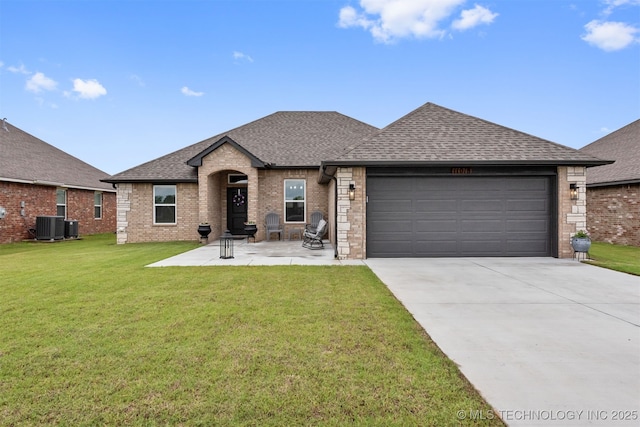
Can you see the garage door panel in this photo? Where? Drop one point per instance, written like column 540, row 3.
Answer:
column 483, row 205
column 481, row 226
column 459, row 216
column 422, row 226
column 441, row 206
column 527, row 226
column 533, row 205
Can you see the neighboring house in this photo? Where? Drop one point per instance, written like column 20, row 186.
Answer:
column 37, row 179
column 434, row 183
column 613, row 191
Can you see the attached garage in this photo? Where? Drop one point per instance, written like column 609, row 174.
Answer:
column 434, row 213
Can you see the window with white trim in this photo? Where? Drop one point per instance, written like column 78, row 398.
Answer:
column 97, row 205
column 164, row 204
column 61, row 202
column 294, row 200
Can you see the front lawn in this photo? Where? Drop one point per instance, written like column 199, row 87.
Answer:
column 616, row 257
column 89, row 336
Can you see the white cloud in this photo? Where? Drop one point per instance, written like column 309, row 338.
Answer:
column 18, row 70
column 88, row 89
column 610, row 36
column 239, row 56
column 613, row 4
column 137, row 79
column 389, row 20
column 39, row 82
column 188, row 92
column 473, row 17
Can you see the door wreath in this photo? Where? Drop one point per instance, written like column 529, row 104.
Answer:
column 238, row 199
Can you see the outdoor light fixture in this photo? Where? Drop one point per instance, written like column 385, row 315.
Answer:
column 352, row 191
column 226, row 245
column 573, row 191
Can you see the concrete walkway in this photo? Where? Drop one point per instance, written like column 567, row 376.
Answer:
column 545, row 341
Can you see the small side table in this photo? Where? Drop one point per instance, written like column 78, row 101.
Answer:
column 294, row 232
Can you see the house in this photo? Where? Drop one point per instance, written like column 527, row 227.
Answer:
column 434, row 183
column 613, row 190
column 37, row 179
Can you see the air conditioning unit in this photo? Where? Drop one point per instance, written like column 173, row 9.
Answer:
column 71, row 229
column 49, row 228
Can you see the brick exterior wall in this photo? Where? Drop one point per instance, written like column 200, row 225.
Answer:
column 207, row 200
column 40, row 200
column 613, row 214
column 135, row 214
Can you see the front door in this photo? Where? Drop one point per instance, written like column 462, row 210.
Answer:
column 236, row 210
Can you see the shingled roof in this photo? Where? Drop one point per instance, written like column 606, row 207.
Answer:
column 27, row 159
column 289, row 139
column 432, row 134
column 623, row 146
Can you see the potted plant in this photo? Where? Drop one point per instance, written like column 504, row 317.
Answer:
column 581, row 242
column 204, row 229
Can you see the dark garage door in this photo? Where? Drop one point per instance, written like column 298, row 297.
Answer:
column 459, row 216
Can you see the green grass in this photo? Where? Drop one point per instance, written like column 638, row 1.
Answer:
column 89, row 336
column 616, row 257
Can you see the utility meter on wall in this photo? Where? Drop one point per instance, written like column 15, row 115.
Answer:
column 3, row 212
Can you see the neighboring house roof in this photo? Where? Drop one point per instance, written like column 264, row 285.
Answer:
column 436, row 135
column 27, row 159
column 287, row 139
column 623, row 146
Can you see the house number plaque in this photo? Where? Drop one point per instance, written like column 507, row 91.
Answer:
column 461, row 171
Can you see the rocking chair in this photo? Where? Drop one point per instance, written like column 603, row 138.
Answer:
column 313, row 240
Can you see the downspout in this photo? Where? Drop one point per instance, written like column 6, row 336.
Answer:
column 335, row 210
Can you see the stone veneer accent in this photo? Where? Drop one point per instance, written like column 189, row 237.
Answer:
column 351, row 214
column 572, row 214
column 613, row 214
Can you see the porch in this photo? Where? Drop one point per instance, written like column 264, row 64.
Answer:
column 279, row 252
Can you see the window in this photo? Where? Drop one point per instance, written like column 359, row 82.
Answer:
column 294, row 200
column 164, row 204
column 235, row 178
column 61, row 202
column 97, row 205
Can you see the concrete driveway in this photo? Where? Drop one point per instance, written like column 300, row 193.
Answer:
column 545, row 341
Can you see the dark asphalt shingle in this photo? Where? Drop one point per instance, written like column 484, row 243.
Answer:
column 432, row 133
column 623, row 146
column 283, row 139
column 24, row 157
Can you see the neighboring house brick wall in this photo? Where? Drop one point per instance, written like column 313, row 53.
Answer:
column 40, row 200
column 572, row 214
column 613, row 214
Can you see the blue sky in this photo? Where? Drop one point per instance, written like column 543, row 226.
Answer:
column 118, row 83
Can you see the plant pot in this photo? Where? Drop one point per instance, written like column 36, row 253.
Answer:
column 251, row 230
column 204, row 230
column 581, row 244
